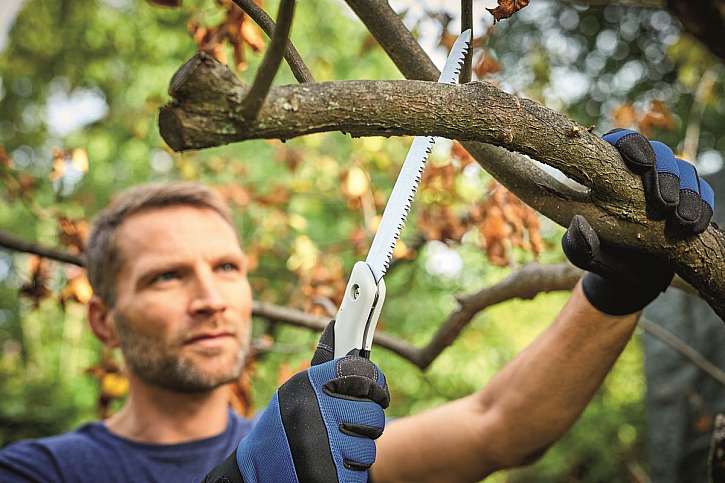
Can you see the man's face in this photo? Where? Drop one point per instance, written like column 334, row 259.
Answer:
column 183, row 302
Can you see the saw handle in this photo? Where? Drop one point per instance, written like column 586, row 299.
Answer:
column 358, row 315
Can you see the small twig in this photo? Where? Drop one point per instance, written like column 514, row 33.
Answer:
column 292, row 56
column 525, row 283
column 326, row 304
column 16, row 244
column 683, row 349
column 301, row 319
column 254, row 99
column 467, row 24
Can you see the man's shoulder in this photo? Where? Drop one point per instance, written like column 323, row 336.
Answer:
column 43, row 459
column 92, row 450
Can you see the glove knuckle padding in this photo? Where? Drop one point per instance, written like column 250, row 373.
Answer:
column 689, row 208
column 707, row 201
column 666, row 187
column 634, row 148
column 580, row 243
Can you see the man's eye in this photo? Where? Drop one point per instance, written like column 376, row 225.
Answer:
column 165, row 277
column 229, row 267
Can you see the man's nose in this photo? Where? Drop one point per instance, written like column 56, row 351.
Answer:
column 206, row 294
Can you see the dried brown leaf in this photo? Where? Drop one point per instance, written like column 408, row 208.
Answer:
column 72, row 233
column 506, row 8
column 624, row 115
column 37, row 288
column 504, row 221
column 657, row 116
column 5, row 160
column 486, row 65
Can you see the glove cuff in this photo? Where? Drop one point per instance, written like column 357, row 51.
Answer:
column 615, row 297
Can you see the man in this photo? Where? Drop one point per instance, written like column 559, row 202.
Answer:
column 171, row 292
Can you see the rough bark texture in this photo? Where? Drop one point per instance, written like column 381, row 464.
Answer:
column 206, row 112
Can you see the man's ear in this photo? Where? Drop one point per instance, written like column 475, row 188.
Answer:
column 102, row 324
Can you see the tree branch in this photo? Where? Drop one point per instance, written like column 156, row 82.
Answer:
column 680, row 346
column 205, row 112
column 466, row 24
column 525, row 283
column 16, row 244
column 395, row 39
column 254, row 99
column 298, row 318
column 291, row 55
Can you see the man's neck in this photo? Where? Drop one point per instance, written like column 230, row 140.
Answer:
column 155, row 415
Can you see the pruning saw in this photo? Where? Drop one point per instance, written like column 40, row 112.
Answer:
column 362, row 302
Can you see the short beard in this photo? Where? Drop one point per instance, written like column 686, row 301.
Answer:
column 150, row 360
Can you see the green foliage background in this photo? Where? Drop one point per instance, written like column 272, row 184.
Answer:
column 125, row 52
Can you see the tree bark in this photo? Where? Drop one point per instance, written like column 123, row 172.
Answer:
column 205, row 112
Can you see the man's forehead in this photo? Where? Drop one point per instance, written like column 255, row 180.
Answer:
column 176, row 231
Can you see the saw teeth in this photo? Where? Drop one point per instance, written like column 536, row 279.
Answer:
column 384, row 258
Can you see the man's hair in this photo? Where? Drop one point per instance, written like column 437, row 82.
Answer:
column 103, row 260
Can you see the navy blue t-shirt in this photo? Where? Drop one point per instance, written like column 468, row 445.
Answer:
column 93, row 454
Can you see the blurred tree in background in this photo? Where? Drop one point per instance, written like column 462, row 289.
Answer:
column 81, row 82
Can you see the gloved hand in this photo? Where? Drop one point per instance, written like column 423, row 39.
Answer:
column 622, row 280
column 319, row 426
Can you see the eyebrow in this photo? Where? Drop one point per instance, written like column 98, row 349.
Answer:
column 156, row 268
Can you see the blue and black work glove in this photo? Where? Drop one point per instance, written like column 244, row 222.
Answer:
column 620, row 280
column 319, row 427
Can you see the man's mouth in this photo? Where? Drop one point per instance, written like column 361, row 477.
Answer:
column 209, row 339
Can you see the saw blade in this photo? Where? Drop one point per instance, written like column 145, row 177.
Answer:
column 401, row 198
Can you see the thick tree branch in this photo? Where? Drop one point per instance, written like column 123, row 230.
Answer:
column 293, row 58
column 205, row 112
column 254, row 99
column 207, row 103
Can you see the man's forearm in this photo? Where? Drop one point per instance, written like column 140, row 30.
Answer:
column 524, row 408
column 540, row 394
